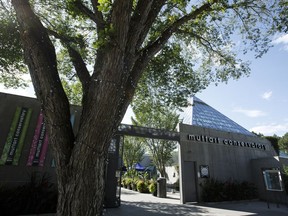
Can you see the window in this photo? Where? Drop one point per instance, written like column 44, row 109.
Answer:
column 273, row 181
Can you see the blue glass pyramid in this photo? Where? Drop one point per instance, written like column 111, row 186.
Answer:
column 204, row 115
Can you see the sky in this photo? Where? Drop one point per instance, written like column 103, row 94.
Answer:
column 258, row 103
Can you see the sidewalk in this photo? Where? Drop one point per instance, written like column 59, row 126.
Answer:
column 134, row 203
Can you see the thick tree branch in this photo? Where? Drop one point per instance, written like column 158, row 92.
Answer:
column 155, row 46
column 40, row 57
column 120, row 19
column 152, row 48
column 97, row 16
column 137, row 23
column 76, row 58
column 153, row 13
column 80, row 67
column 143, row 17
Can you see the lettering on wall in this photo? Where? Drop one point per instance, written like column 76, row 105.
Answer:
column 229, row 142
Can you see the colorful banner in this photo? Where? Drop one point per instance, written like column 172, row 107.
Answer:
column 39, row 144
column 16, row 136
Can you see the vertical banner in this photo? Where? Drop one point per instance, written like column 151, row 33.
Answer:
column 16, row 136
column 39, row 144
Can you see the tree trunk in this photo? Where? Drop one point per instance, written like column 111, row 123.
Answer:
column 82, row 194
column 81, row 158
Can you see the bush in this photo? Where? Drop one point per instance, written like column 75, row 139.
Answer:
column 124, row 182
column 142, row 186
column 134, row 184
column 216, row 191
column 129, row 183
column 153, row 188
column 35, row 197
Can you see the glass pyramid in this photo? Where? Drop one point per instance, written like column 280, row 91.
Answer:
column 205, row 116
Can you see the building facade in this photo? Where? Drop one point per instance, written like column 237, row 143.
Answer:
column 24, row 146
column 214, row 146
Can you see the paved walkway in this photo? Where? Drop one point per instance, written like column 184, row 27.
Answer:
column 134, row 203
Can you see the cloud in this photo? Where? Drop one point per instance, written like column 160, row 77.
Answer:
column 282, row 40
column 250, row 113
column 267, row 95
column 271, row 129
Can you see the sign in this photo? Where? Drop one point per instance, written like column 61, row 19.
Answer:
column 204, row 171
column 16, row 136
column 229, row 142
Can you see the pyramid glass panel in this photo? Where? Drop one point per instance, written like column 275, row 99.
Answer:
column 205, row 116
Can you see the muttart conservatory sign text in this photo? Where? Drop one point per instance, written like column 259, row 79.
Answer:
column 208, row 139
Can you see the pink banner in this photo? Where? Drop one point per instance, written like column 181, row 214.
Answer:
column 44, row 151
column 39, row 144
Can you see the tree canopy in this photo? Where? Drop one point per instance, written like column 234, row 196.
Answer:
column 195, row 43
column 170, row 49
column 134, row 150
column 283, row 143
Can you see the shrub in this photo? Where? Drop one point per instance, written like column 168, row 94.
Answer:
column 124, row 183
column 212, row 191
column 129, row 183
column 216, row 191
column 134, row 184
column 153, row 188
column 142, row 186
column 35, row 197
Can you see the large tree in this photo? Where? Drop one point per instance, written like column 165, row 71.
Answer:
column 106, row 45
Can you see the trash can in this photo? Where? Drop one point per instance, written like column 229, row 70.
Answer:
column 161, row 187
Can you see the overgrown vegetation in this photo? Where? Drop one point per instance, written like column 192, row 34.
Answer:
column 37, row 196
column 217, row 191
column 285, row 178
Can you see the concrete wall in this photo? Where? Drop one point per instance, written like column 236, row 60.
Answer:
column 258, row 166
column 228, row 156
column 18, row 174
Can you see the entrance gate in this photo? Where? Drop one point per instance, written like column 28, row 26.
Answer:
column 115, row 153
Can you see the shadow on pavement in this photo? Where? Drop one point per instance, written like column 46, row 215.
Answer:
column 250, row 207
column 134, row 203
column 153, row 209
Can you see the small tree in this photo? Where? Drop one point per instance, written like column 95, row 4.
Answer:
column 153, row 114
column 134, row 150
